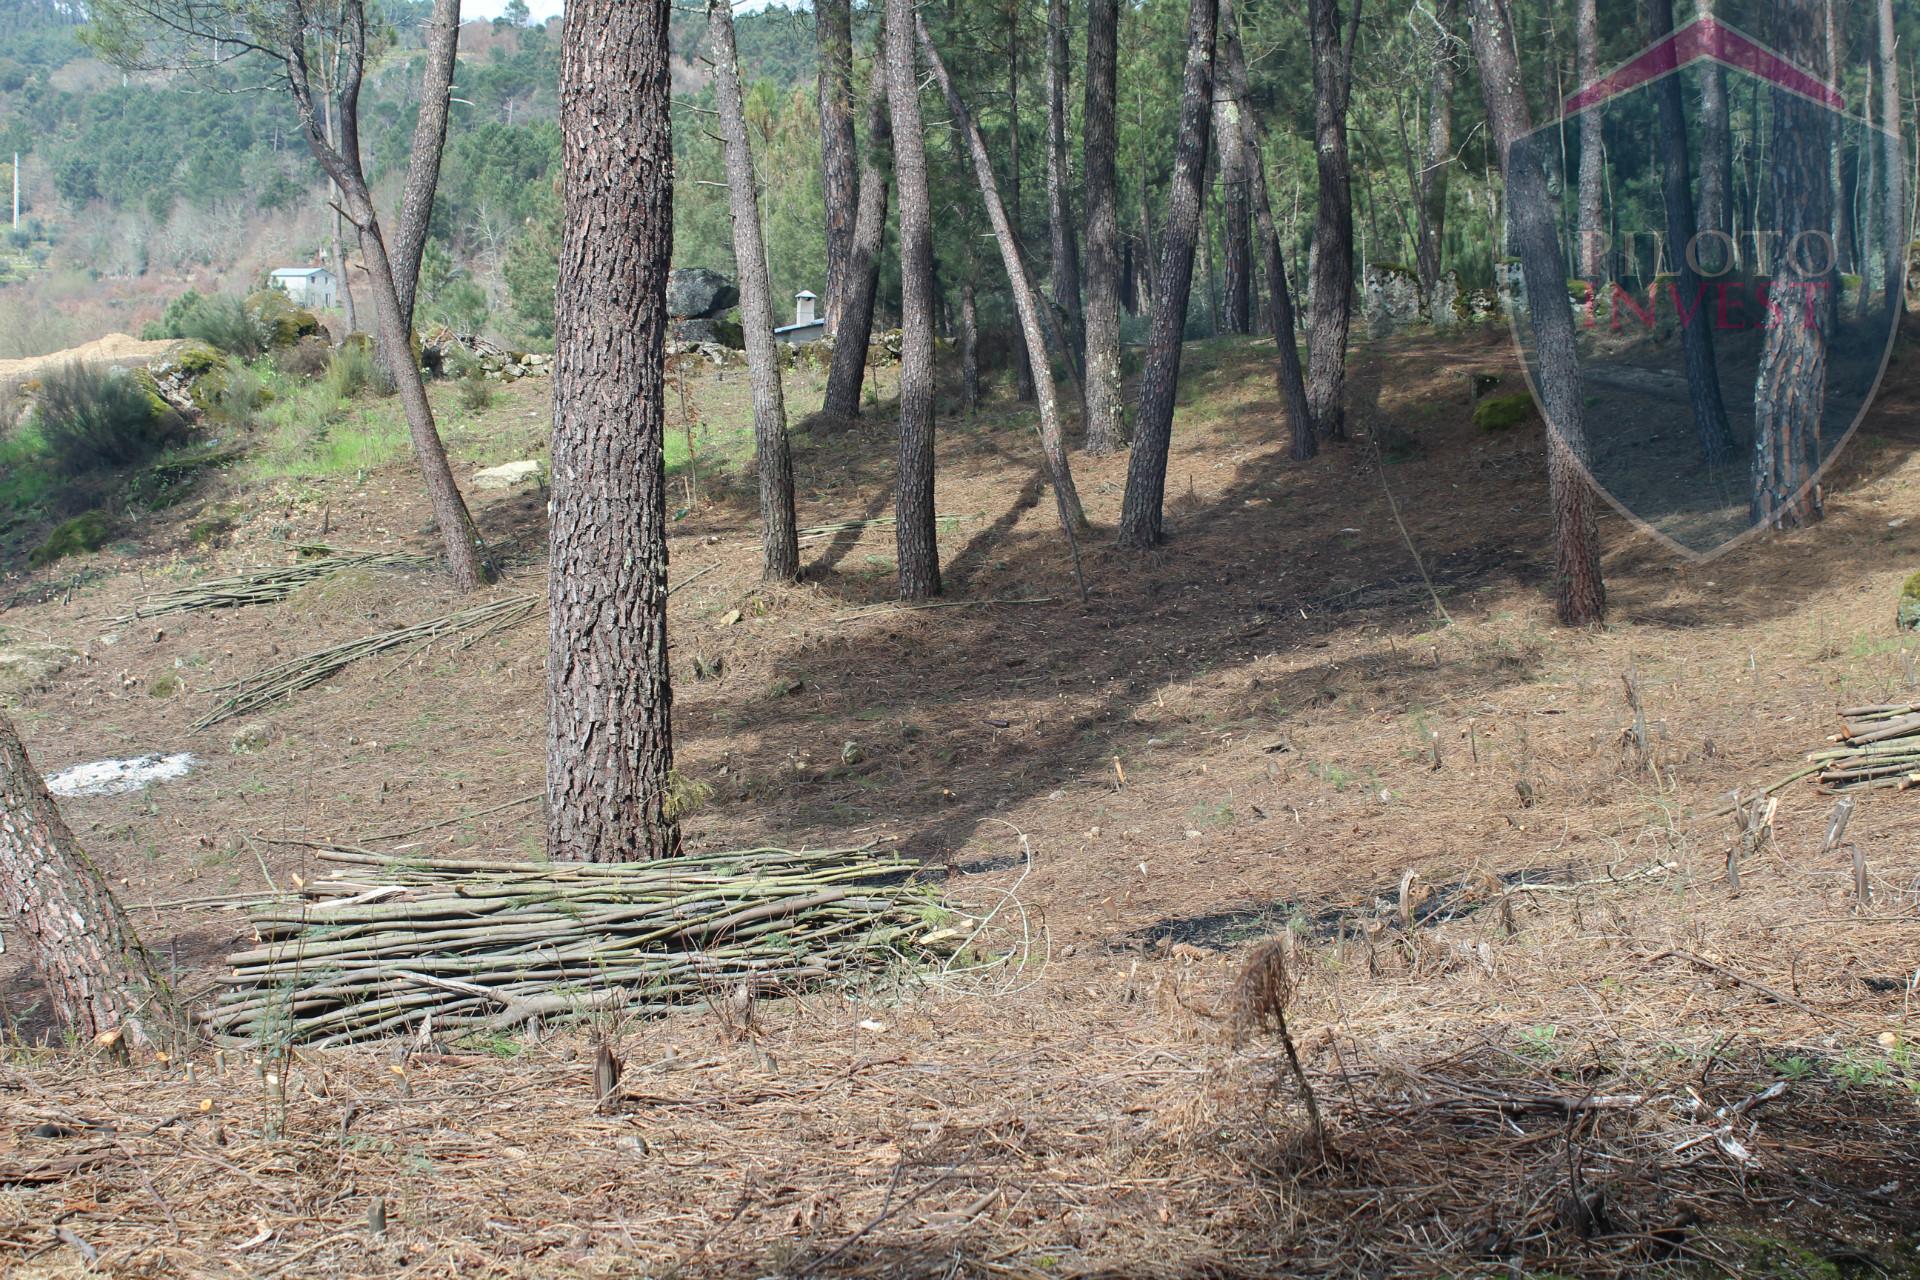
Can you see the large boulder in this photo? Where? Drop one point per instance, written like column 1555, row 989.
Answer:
column 724, row 333
column 695, row 293
column 281, row 322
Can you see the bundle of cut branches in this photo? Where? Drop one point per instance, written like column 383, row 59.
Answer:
column 292, row 676
column 1878, row 746
column 468, row 946
column 265, row 586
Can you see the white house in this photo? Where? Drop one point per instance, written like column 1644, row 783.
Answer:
column 806, row 326
column 308, row 286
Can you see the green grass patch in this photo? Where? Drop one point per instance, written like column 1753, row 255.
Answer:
column 73, row 537
column 1503, row 413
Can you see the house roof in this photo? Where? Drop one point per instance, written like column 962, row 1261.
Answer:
column 301, row 271
column 811, row 324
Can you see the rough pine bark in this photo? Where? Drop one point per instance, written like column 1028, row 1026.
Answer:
column 609, row 702
column 1590, row 256
column 423, row 163
column 916, row 548
column 1022, row 365
column 1236, row 216
column 1065, row 278
column 1142, row 506
column 779, row 542
column 66, row 921
column 1293, row 390
column 1696, row 335
column 969, row 346
column 1332, row 266
column 1580, row 594
column 1836, row 41
column 1895, row 215
column 833, row 28
column 1790, row 391
column 849, row 369
column 1026, row 300
column 1715, row 203
column 1105, row 416
column 339, row 157
column 1436, row 156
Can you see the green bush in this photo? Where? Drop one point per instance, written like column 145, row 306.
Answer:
column 239, row 396
column 306, row 359
column 83, row 533
column 476, row 393
column 172, row 322
column 461, row 305
column 225, row 323
column 350, row 371
column 94, row 419
column 1502, row 413
column 281, row 323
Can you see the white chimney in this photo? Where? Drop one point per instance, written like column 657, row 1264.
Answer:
column 803, row 307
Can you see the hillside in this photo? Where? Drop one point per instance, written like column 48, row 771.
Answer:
column 1541, row 1023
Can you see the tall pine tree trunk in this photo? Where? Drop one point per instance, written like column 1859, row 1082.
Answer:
column 609, row 701
column 1580, row 594
column 1105, row 417
column 1065, row 281
column 1590, row 254
column 1332, row 266
column 1142, row 505
column 969, row 346
column 1790, row 391
column 915, row 545
column 1293, row 390
column 1236, row 231
column 423, row 161
column 833, row 27
column 1022, row 365
column 779, row 543
column 76, row 938
column 1026, row 302
column 1715, row 205
column 1696, row 336
column 849, row 368
column 1896, row 218
column 1436, row 156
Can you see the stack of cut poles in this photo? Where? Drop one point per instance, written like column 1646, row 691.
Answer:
column 448, row 946
column 264, row 586
column 1878, row 746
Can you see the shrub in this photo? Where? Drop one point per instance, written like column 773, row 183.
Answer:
column 83, row 533
column 281, row 323
column 476, row 393
column 92, row 419
column 239, row 395
column 1501, row 413
column 225, row 323
column 171, row 323
column 306, row 359
column 350, row 370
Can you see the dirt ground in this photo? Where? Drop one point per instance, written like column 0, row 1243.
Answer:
column 1537, row 1018
column 115, row 348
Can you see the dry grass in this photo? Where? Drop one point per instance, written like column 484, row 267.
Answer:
column 1519, row 1048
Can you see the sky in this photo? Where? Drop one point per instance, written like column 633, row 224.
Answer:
column 544, row 9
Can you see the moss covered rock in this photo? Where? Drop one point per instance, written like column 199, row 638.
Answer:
column 280, row 321
column 83, row 533
column 1909, row 611
column 1503, row 413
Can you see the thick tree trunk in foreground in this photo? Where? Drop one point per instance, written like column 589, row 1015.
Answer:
column 1790, row 392
column 915, row 545
column 1589, row 256
column 1142, row 508
column 1236, row 209
column 609, row 702
column 1332, row 266
column 1293, row 389
column 423, row 164
column 1105, row 417
column 1896, row 219
column 780, row 547
column 1026, row 301
column 1436, row 156
column 71, row 928
column 833, row 25
column 340, row 158
column 1581, row 598
column 1065, row 287
column 855, row 330
column 1696, row 333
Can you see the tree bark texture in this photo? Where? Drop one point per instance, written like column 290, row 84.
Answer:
column 916, row 547
column 969, row 346
column 1581, row 598
column 1590, row 255
column 1022, row 365
column 1105, row 417
column 609, row 702
column 423, row 163
column 1332, row 266
column 1065, row 276
column 1236, row 216
column 1142, row 506
column 1790, row 391
column 339, row 157
column 833, row 27
column 1026, row 301
column 1696, row 336
column 1436, row 156
column 1896, row 217
column 849, row 369
column 1293, row 389
column 98, row 977
column 779, row 542
column 1715, row 205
